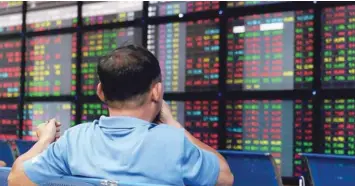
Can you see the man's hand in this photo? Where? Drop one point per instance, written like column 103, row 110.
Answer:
column 165, row 116
column 2, row 164
column 48, row 132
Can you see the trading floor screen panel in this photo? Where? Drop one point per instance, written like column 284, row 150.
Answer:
column 270, row 51
column 10, row 68
column 338, row 121
column 106, row 12
column 280, row 127
column 200, row 118
column 47, row 15
column 51, row 65
column 97, row 44
column 10, row 17
column 169, row 8
column 93, row 111
column 188, row 54
column 338, row 47
column 36, row 113
column 9, row 121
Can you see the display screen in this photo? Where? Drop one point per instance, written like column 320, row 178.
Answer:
column 9, row 121
column 280, row 127
column 338, row 47
column 270, row 51
column 168, row 8
column 98, row 43
column 36, row 113
column 93, row 111
column 200, row 118
column 10, row 6
column 10, row 68
column 338, row 121
column 51, row 65
column 10, row 17
column 46, row 15
column 232, row 4
column 188, row 54
column 111, row 12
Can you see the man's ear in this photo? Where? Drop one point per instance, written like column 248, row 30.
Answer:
column 100, row 92
column 157, row 92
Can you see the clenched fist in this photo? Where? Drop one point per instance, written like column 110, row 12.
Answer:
column 166, row 117
column 48, row 132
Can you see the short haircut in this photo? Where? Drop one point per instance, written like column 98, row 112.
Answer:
column 128, row 73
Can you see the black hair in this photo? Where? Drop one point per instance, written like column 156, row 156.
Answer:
column 127, row 73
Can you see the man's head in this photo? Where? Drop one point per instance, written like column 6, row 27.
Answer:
column 130, row 79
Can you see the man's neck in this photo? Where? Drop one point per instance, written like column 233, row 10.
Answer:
column 139, row 113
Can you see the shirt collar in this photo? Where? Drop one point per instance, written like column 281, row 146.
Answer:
column 121, row 122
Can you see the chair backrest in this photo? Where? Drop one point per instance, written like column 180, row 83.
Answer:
column 330, row 170
column 251, row 168
column 4, row 173
column 24, row 146
column 6, row 154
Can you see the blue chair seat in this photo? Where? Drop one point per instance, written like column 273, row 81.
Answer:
column 250, row 168
column 330, row 170
column 6, row 154
column 4, row 173
column 24, row 146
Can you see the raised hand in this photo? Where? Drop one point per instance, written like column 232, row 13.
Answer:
column 49, row 132
column 166, row 117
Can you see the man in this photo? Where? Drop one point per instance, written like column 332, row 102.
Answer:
column 2, row 164
column 125, row 146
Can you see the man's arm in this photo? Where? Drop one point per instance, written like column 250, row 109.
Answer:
column 17, row 175
column 225, row 177
column 47, row 134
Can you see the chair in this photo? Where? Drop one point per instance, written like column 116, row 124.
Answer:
column 24, row 146
column 250, row 168
column 6, row 154
column 330, row 170
column 4, row 173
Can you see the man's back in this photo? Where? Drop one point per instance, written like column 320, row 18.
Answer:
column 128, row 149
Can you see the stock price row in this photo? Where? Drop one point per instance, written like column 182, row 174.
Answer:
column 43, row 15
column 264, row 52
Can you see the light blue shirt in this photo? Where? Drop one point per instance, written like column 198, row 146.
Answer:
column 125, row 149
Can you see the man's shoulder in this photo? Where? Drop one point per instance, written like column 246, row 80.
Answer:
column 164, row 131
column 83, row 127
column 167, row 128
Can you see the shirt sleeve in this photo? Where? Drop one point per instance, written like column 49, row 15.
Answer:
column 199, row 167
column 50, row 164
